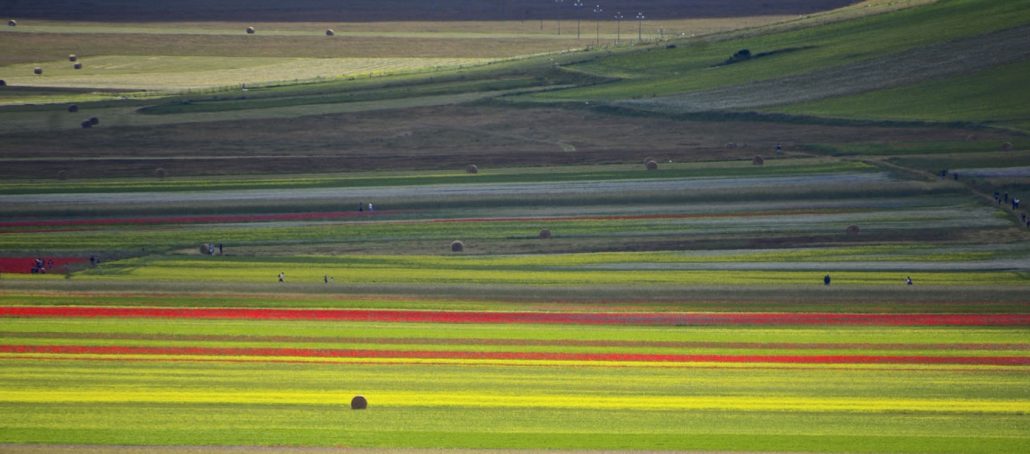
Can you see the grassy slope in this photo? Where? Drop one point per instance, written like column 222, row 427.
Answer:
column 996, row 97
column 690, row 67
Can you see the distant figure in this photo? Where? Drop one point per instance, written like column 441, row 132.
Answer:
column 371, row 208
column 908, row 280
column 282, row 276
column 779, row 149
column 1006, row 197
column 325, row 278
column 361, row 206
column 1015, row 204
column 826, row 280
column 219, row 248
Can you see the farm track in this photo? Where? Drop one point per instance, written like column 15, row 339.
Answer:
column 933, row 61
column 445, row 191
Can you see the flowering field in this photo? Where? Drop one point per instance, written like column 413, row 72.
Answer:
column 87, row 375
column 679, row 311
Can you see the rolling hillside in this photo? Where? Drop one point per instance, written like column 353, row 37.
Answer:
column 915, row 53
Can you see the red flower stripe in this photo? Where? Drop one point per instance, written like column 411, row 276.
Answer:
column 593, row 318
column 526, row 342
column 23, row 265
column 207, row 219
column 545, row 356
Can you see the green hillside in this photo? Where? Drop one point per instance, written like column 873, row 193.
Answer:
column 881, row 67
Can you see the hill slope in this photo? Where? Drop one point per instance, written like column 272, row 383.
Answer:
column 948, row 39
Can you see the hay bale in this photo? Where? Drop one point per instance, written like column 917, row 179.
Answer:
column 73, row 108
column 545, row 234
column 852, row 230
column 472, row 169
column 3, row 83
column 37, row 71
column 94, row 120
column 73, row 58
column 1007, row 146
column 329, row 32
column 160, row 172
column 250, row 30
column 457, row 246
column 86, row 124
column 77, row 66
column 757, row 160
column 651, row 165
column 206, row 249
column 358, row 403
column 12, row 23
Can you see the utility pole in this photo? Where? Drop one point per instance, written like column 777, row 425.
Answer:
column 640, row 25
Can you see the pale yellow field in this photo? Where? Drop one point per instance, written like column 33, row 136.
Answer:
column 160, row 73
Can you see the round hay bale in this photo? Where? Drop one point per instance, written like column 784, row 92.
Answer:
column 94, row 120
column 472, row 168
column 1007, row 146
column 77, row 66
column 457, row 246
column 852, row 230
column 160, row 172
column 73, row 58
column 250, row 30
column 205, row 249
column 545, row 234
column 12, row 23
column 73, row 108
column 3, row 83
column 329, row 32
column 358, row 403
column 37, row 71
column 651, row 165
column 86, row 124
column 757, row 160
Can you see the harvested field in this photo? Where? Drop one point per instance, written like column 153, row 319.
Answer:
column 490, row 136
column 177, row 73
column 309, row 10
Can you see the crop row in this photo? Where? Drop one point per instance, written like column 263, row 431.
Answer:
column 572, row 318
column 280, row 354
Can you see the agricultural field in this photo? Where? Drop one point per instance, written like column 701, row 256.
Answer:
column 506, row 238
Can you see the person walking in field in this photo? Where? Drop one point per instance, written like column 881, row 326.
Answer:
column 826, row 279
column 282, row 277
column 908, row 280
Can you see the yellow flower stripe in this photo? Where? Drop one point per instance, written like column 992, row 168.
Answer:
column 489, row 400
